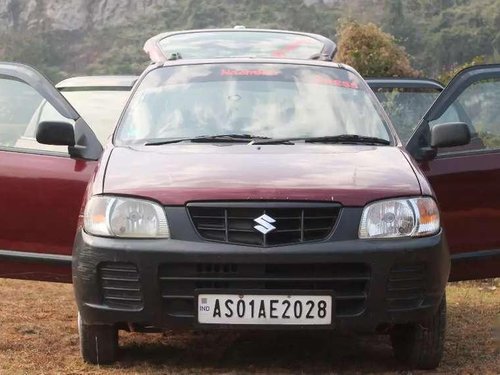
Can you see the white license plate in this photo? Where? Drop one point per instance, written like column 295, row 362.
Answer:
column 264, row 309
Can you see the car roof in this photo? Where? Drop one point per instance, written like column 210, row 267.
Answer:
column 153, row 49
column 410, row 83
column 101, row 82
column 251, row 60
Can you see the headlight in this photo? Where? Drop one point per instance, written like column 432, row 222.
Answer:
column 414, row 217
column 125, row 217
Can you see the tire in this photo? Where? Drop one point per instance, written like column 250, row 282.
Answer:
column 98, row 343
column 421, row 345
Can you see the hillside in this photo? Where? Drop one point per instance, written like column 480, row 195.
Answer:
column 68, row 37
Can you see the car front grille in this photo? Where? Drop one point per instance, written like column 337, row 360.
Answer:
column 120, row 285
column 406, row 286
column 235, row 222
column 347, row 281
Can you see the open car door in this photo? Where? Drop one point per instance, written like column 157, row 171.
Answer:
column 41, row 187
column 466, row 179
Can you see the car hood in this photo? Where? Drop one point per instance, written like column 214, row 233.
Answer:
column 179, row 173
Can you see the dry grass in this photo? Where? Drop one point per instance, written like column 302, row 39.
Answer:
column 38, row 335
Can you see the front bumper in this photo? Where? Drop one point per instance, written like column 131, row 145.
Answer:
column 152, row 283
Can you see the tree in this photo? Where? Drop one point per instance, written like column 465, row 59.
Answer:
column 372, row 52
column 398, row 21
column 446, row 75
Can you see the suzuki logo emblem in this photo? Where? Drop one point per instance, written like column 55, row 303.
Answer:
column 265, row 224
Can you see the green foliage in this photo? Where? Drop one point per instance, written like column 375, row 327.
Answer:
column 372, row 52
column 118, row 49
column 44, row 51
column 439, row 34
column 490, row 140
column 446, row 75
column 445, row 33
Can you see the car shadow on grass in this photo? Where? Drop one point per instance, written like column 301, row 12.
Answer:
column 269, row 351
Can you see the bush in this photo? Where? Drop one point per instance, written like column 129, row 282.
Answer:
column 372, row 52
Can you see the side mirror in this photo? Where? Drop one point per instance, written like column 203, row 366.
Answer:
column 450, row 134
column 55, row 133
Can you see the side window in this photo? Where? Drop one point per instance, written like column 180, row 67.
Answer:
column 405, row 107
column 21, row 110
column 479, row 107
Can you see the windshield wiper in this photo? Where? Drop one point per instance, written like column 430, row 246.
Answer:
column 343, row 138
column 241, row 138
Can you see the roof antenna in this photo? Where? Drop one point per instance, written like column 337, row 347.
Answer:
column 239, row 27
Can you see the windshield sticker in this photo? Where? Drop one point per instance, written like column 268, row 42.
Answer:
column 283, row 51
column 335, row 82
column 249, row 72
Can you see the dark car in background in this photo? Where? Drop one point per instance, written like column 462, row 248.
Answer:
column 256, row 192
column 406, row 100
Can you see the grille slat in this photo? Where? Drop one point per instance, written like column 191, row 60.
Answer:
column 124, row 279
column 124, row 299
column 235, row 223
column 120, row 286
column 295, row 279
column 348, row 282
column 206, row 227
column 121, row 289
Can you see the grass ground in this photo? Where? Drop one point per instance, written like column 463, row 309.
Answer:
column 38, row 336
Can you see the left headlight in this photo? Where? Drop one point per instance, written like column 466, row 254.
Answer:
column 125, row 217
column 396, row 218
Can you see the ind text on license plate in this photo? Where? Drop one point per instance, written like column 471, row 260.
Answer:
column 265, row 309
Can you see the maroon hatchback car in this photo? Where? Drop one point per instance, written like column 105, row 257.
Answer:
column 265, row 191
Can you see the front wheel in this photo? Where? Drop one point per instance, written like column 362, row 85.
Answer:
column 98, row 343
column 421, row 345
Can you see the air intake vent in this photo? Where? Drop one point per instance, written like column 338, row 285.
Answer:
column 406, row 286
column 120, row 286
column 279, row 223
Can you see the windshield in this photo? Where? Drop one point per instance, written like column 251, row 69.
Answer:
column 213, row 44
column 266, row 100
column 406, row 106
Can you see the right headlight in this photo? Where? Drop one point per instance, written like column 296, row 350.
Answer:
column 125, row 217
column 397, row 218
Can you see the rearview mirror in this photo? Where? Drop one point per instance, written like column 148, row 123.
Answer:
column 55, row 133
column 450, row 134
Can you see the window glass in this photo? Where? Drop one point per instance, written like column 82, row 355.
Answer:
column 405, row 107
column 205, row 45
column 479, row 107
column 101, row 109
column 18, row 102
column 271, row 100
column 20, row 107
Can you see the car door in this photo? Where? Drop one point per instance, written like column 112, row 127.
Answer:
column 41, row 187
column 466, row 179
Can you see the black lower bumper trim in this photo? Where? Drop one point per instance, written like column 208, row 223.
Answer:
column 375, row 283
